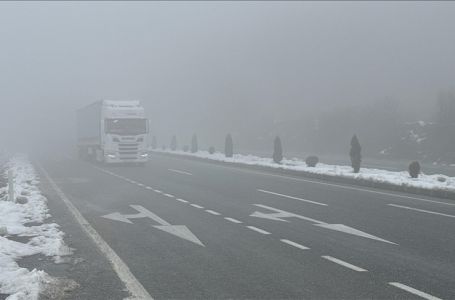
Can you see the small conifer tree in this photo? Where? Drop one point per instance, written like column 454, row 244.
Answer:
column 228, row 146
column 277, row 150
column 194, row 144
column 356, row 154
column 173, row 143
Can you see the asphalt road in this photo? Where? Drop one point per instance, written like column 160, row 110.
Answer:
column 257, row 235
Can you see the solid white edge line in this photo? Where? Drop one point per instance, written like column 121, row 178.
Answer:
column 414, row 291
column 233, row 220
column 195, row 205
column 422, row 210
column 134, row 287
column 180, row 172
column 212, row 212
column 258, row 230
column 297, row 245
column 343, row 263
column 291, row 197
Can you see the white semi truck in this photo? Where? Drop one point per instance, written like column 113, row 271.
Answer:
column 113, row 132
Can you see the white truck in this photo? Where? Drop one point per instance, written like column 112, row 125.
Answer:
column 113, row 132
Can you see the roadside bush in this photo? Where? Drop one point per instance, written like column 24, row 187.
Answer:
column 312, row 161
column 442, row 179
column 355, row 154
column 414, row 169
column 194, row 144
column 277, row 151
column 211, row 150
column 174, row 143
column 228, row 146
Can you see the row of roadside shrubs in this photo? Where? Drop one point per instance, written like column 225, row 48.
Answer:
column 355, row 152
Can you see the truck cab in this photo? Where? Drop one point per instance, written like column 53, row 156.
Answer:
column 113, row 132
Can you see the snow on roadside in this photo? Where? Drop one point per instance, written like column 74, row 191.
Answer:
column 26, row 218
column 430, row 182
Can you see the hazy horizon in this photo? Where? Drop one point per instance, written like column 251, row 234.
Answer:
column 217, row 67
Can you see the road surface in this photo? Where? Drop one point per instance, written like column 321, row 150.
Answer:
column 191, row 229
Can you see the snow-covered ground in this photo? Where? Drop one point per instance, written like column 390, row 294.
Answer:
column 433, row 182
column 26, row 218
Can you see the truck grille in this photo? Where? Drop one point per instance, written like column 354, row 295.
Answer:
column 128, row 151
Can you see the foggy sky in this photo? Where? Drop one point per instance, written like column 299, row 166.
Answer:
column 214, row 68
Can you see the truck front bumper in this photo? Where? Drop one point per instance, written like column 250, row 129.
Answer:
column 112, row 159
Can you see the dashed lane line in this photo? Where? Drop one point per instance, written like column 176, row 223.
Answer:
column 195, row 205
column 212, row 212
column 181, row 200
column 297, row 245
column 180, row 172
column 414, row 291
column 233, row 220
column 169, row 195
column 343, row 263
column 422, row 210
column 258, row 229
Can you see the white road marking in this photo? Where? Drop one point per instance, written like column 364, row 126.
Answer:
column 180, row 172
column 181, row 200
column 134, row 287
column 197, row 206
column 422, row 210
column 180, row 231
column 353, row 231
column 140, row 184
column 334, row 184
column 212, row 212
column 258, row 230
column 413, row 291
column 149, row 188
column 168, row 195
column 233, row 220
column 158, row 191
column 291, row 197
column 279, row 214
column 343, row 263
column 294, row 244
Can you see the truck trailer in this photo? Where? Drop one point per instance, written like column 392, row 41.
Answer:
column 113, row 132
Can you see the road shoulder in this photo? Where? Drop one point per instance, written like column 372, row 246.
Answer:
column 87, row 266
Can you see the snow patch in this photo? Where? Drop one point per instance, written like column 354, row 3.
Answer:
column 429, row 182
column 43, row 238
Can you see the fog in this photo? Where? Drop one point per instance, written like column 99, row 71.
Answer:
column 254, row 69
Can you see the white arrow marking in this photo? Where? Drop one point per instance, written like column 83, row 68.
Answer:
column 180, row 231
column 337, row 227
column 117, row 217
column 280, row 214
column 291, row 197
column 353, row 231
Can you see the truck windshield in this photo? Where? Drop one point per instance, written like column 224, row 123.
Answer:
column 125, row 126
